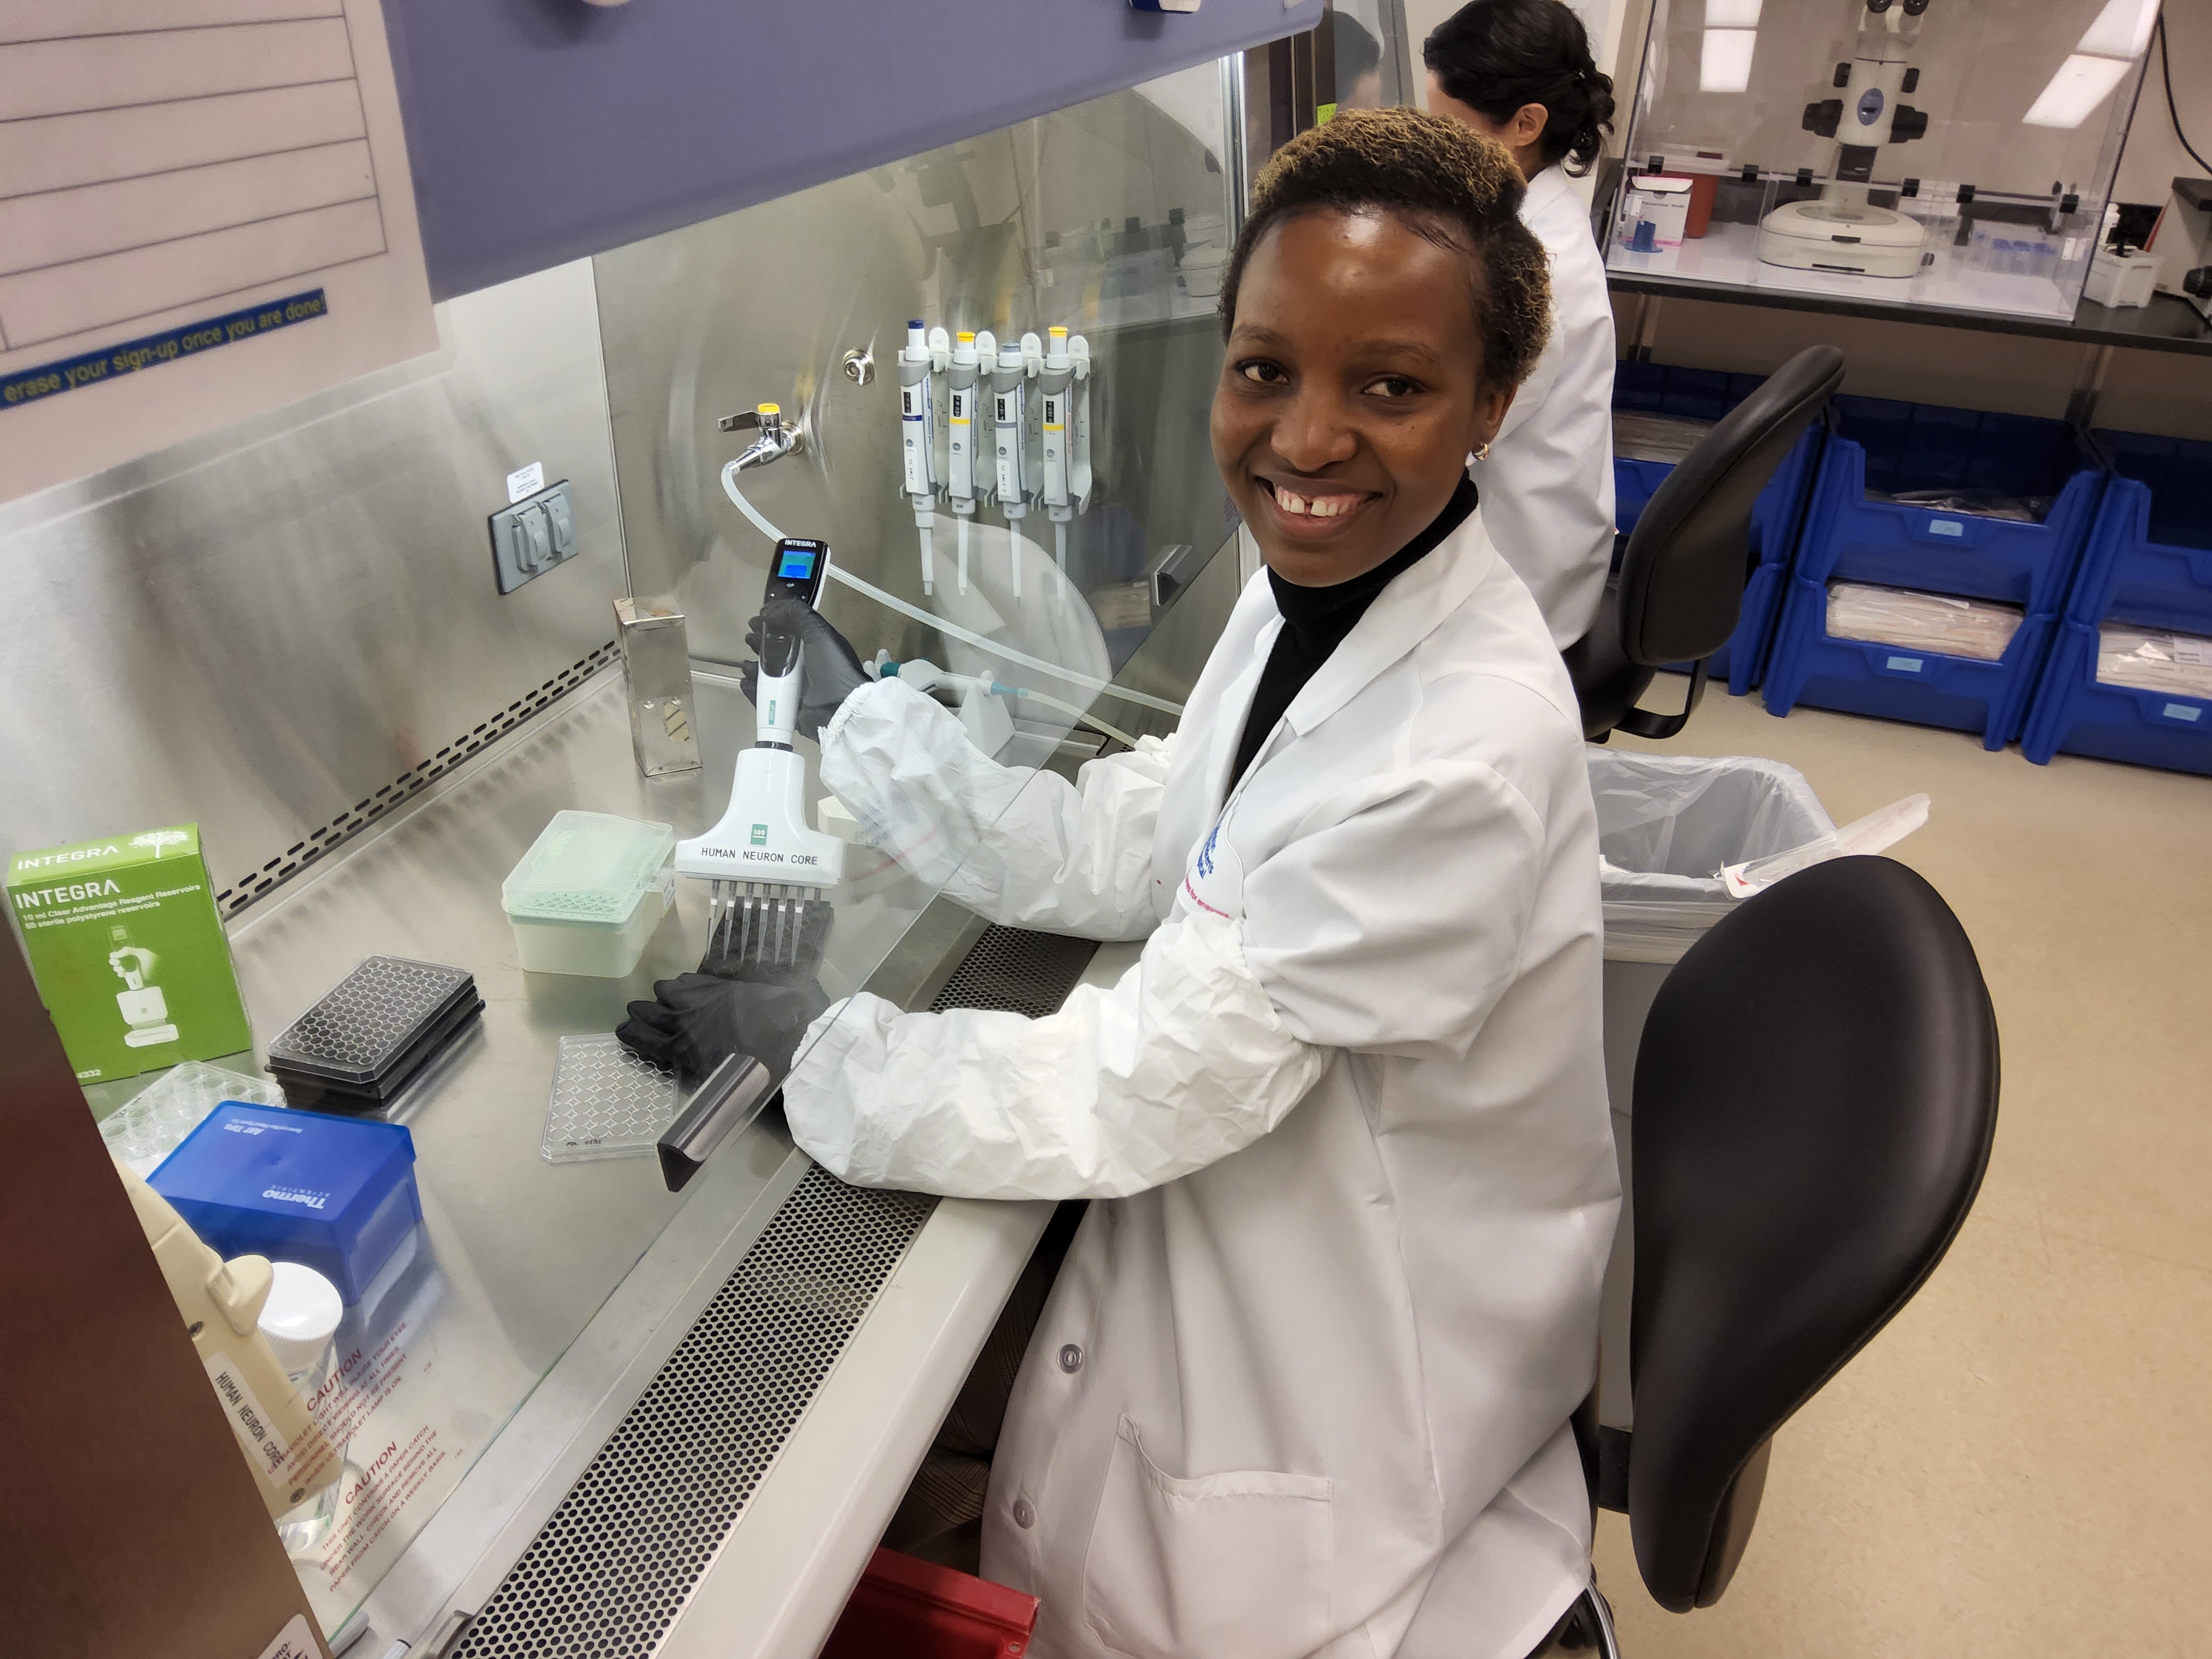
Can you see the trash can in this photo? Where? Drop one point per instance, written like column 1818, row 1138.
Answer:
column 1665, row 825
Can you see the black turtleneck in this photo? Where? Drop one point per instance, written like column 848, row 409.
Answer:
column 1316, row 619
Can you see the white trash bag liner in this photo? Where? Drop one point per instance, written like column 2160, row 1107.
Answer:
column 1668, row 823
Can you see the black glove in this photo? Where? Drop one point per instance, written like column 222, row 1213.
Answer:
column 829, row 674
column 697, row 1020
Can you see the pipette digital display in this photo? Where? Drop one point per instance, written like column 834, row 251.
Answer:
column 798, row 569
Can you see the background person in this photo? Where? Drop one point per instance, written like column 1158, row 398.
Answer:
column 1520, row 71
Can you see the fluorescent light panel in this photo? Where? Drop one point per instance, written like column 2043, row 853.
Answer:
column 1744, row 13
column 1726, row 64
column 2122, row 29
column 2083, row 83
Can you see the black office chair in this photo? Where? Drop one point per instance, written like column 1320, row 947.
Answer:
column 1816, row 1092
column 1680, row 585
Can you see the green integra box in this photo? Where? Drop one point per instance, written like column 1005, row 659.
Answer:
column 129, row 955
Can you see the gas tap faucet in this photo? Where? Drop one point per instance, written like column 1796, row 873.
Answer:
column 776, row 442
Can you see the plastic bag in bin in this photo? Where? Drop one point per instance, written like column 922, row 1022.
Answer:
column 1667, row 824
column 914, row 1609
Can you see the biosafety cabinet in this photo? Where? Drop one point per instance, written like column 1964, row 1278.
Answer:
column 1956, row 154
column 573, row 1399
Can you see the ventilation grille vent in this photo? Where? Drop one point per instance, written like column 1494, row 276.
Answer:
column 408, row 784
column 1017, row 972
column 608, row 1574
column 610, row 1571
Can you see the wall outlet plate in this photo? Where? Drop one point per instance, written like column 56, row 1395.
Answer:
column 532, row 536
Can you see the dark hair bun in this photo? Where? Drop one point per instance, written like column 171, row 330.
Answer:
column 1499, row 56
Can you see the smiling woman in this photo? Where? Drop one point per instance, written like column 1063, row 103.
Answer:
column 1381, row 307
column 1305, row 1382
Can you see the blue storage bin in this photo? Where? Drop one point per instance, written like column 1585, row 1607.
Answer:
column 334, row 1194
column 2149, row 562
column 1705, row 394
column 1897, row 682
column 1875, row 444
column 2150, row 556
column 2076, row 712
column 1878, row 444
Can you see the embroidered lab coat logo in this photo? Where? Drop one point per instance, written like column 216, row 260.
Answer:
column 1215, row 880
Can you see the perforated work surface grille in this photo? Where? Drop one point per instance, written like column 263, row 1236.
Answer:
column 369, row 1018
column 1017, row 971
column 610, row 1571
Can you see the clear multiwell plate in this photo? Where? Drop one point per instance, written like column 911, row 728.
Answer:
column 606, row 1102
column 154, row 1122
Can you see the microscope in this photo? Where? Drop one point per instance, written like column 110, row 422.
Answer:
column 1839, row 231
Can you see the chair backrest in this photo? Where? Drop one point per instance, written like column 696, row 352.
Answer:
column 1816, row 1092
column 1682, row 574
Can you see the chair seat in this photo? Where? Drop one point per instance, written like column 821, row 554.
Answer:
column 1606, row 684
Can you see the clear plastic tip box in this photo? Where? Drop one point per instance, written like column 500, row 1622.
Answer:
column 588, row 894
column 334, row 1194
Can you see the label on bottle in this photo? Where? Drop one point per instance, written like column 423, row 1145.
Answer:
column 255, row 1428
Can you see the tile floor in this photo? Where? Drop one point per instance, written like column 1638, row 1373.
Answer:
column 2016, row 1466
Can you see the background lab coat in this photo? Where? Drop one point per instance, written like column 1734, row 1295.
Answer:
column 1302, row 1384
column 1547, row 484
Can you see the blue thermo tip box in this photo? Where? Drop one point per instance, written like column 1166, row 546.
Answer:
column 334, row 1194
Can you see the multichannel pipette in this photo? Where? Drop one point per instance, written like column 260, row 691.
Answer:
column 771, row 871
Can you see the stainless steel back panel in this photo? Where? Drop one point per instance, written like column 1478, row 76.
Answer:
column 1007, row 231
column 285, row 627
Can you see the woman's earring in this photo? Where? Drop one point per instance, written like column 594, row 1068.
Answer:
column 1483, row 453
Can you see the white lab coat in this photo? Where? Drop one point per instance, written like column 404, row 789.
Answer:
column 1548, row 483
column 1302, row 1384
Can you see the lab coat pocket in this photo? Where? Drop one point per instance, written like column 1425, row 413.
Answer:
column 1223, row 1564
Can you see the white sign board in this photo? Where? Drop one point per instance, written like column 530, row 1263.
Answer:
column 205, row 211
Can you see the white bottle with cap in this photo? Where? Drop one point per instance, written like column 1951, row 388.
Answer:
column 300, row 1321
column 221, row 1303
